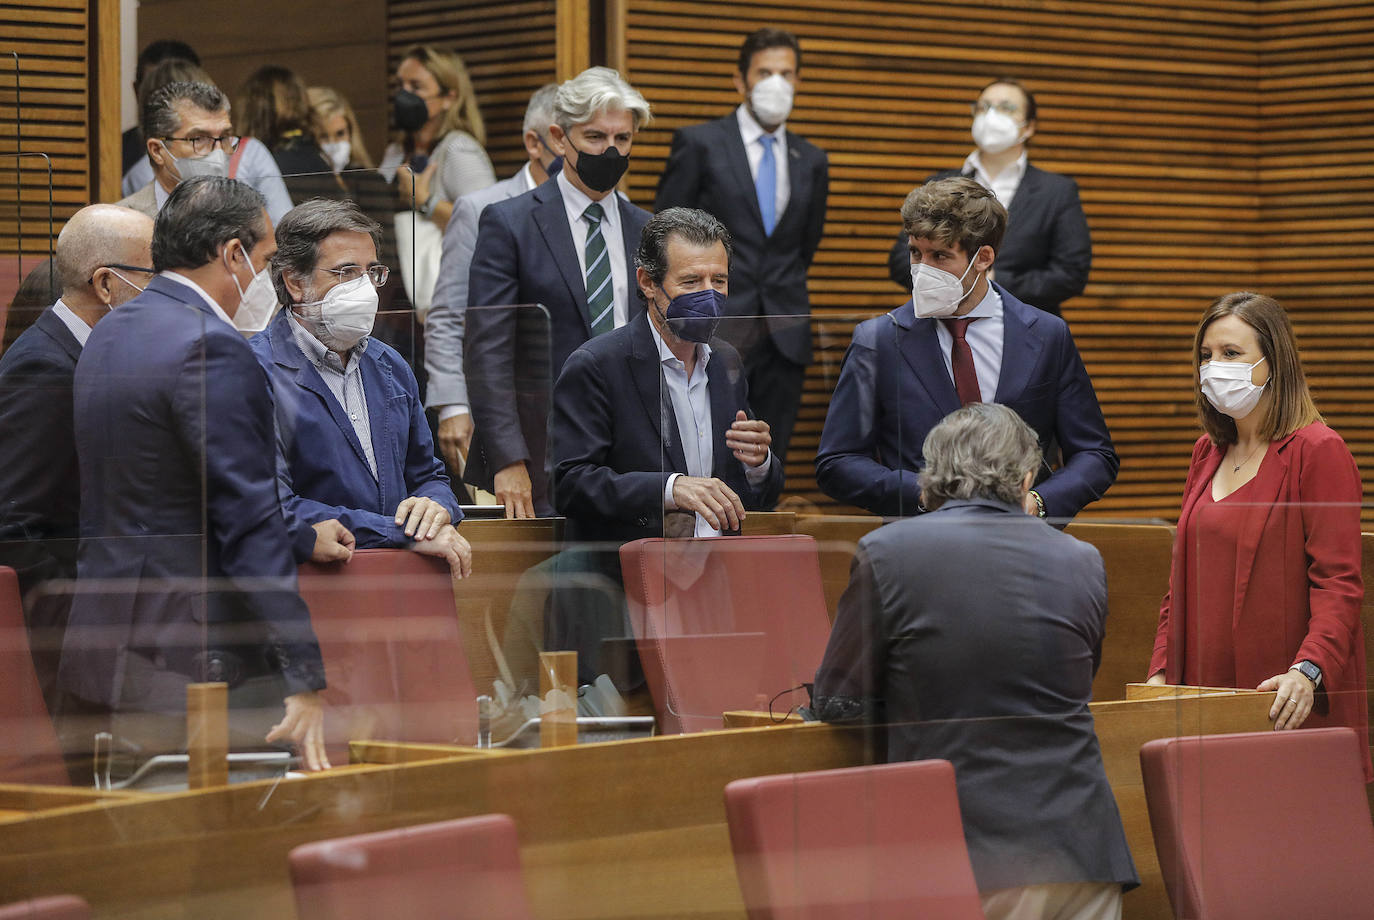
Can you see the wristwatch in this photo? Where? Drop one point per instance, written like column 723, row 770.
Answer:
column 1310, row 671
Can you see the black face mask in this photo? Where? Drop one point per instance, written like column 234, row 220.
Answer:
column 601, row 171
column 411, row 111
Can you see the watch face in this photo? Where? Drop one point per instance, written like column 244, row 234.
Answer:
column 1310, row 671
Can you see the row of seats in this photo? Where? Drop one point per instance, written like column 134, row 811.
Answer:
column 1252, row 826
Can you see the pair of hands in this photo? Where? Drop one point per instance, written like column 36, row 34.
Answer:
column 423, row 520
column 748, row 439
column 1293, row 697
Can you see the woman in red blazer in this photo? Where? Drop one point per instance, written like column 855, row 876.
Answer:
column 1265, row 586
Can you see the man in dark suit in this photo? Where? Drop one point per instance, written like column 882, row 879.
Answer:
column 185, row 563
column 960, row 339
column 352, row 440
column 651, row 427
column 102, row 261
column 568, row 246
column 1045, row 257
column 930, row 643
column 769, row 187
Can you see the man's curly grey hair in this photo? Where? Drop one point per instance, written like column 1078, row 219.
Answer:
column 983, row 450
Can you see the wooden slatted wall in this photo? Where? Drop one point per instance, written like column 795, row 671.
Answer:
column 1152, row 105
column 1317, row 199
column 66, row 105
column 509, row 49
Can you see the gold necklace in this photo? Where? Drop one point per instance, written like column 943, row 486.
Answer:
column 1236, row 468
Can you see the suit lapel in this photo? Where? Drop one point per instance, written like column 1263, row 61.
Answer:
column 551, row 217
column 377, row 389
column 1259, row 503
column 722, row 383
column 733, row 144
column 57, row 330
column 1026, row 193
column 286, row 353
column 797, row 196
column 653, row 396
column 920, row 347
column 1021, row 349
column 629, row 232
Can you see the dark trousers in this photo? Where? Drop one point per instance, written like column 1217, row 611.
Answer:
column 775, row 390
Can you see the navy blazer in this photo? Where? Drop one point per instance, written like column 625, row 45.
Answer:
column 321, row 468
column 894, row 388
column 184, row 548
column 708, row 168
column 1047, row 251
column 615, row 439
column 39, row 494
column 525, row 255
column 972, row 634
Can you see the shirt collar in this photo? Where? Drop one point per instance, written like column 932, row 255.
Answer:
column 576, row 201
column 666, row 356
column 160, row 194
column 317, row 352
column 525, row 178
column 750, row 130
column 75, row 324
column 974, row 162
column 214, row 306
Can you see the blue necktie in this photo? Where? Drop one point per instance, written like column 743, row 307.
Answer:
column 766, row 185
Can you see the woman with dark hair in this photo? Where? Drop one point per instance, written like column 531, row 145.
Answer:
column 1265, row 587
column 274, row 106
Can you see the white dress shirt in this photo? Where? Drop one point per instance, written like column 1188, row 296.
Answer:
column 575, row 202
column 1004, row 186
column 75, row 324
column 984, row 339
column 750, row 131
column 691, row 399
column 345, row 382
column 218, row 310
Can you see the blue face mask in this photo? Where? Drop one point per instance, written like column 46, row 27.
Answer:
column 556, row 164
column 694, row 316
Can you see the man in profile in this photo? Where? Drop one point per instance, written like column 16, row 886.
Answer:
column 930, row 644
column 1045, row 257
column 768, row 185
column 569, row 246
column 960, row 339
column 353, row 443
column 185, row 561
column 447, row 391
column 102, row 260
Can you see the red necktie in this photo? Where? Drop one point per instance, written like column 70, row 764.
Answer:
column 961, row 360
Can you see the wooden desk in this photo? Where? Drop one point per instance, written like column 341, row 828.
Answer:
column 627, row 829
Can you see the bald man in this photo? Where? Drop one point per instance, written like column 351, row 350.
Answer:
column 102, row 260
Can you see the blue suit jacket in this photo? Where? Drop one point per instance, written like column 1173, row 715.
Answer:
column 615, row 439
column 525, row 255
column 38, row 474
column 894, row 388
column 184, row 548
column 322, row 470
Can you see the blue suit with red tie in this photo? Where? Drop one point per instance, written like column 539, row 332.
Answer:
column 894, row 387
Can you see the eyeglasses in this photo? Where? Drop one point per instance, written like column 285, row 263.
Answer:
column 1006, row 108
column 377, row 273
column 204, row 143
column 126, row 268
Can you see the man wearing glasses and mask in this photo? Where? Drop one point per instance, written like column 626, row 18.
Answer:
column 189, row 134
column 352, row 440
column 103, row 259
column 1045, row 257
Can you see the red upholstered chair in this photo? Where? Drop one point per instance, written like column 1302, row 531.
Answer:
column 881, row 842
column 467, row 869
column 725, row 623
column 1262, row 824
column 393, row 657
column 29, row 752
column 59, row 907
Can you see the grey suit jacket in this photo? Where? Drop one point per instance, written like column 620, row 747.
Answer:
column 144, row 200
column 445, row 323
column 972, row 634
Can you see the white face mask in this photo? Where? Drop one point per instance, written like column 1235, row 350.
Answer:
column 214, row 163
column 771, row 100
column 257, row 302
column 995, row 131
column 935, row 292
column 1228, row 387
column 345, row 315
column 337, row 152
